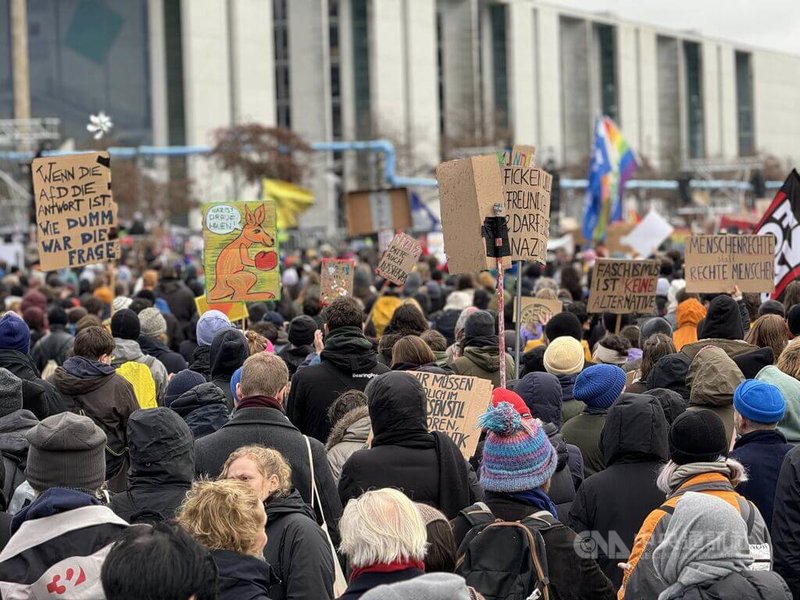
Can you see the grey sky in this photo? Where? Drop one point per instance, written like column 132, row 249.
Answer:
column 772, row 24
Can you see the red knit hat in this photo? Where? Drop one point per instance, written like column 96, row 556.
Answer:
column 503, row 395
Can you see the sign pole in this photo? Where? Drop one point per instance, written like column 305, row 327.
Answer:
column 495, row 234
column 619, row 324
column 518, row 316
column 501, row 325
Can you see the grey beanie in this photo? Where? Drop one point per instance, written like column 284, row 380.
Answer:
column 10, row 392
column 66, row 450
column 152, row 322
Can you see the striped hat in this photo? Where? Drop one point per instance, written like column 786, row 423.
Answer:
column 517, row 455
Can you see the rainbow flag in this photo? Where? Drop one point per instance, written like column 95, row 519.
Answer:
column 613, row 163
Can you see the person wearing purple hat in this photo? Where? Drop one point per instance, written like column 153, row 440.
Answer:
column 209, row 325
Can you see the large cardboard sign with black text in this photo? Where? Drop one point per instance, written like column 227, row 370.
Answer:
column 399, row 259
column 537, row 310
column 718, row 263
column 624, row 286
column 76, row 217
column 455, row 402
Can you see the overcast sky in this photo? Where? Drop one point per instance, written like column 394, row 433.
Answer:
column 773, row 24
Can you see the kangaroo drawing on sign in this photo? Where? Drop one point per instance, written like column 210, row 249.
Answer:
column 233, row 280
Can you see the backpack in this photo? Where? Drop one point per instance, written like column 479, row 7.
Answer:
column 144, row 386
column 504, row 559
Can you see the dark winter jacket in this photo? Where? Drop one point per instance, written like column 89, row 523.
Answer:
column 367, row 581
column 725, row 319
column 154, row 347
column 180, row 299
column 428, row 467
column 201, row 361
column 671, row 402
column 562, row 486
column 584, row 432
column 203, row 408
column 270, row 427
column 14, row 448
column 54, row 346
column 294, row 356
column 569, row 406
column 445, row 323
column 297, row 550
column 483, row 362
column 670, row 373
column 38, row 395
column 571, row 576
column 786, row 522
column 745, row 585
column 228, row 352
column 162, row 467
column 242, row 577
column 634, row 443
column 348, row 362
column 94, row 389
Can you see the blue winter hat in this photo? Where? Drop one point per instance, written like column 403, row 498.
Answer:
column 235, row 378
column 759, row 401
column 599, row 385
column 209, row 325
column 14, row 333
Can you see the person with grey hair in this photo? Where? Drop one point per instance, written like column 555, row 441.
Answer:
column 705, row 554
column 384, row 539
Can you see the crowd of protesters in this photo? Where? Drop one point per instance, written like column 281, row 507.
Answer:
column 151, row 452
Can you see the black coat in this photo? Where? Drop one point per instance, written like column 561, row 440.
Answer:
column 428, row 470
column 242, row 577
column 201, row 361
column 54, row 346
column 162, row 467
column 14, row 448
column 203, row 408
column 571, row 576
column 270, row 427
column 38, row 395
column 367, row 581
column 746, row 585
column 297, row 550
column 294, row 356
column 228, row 352
column 786, row 522
column 180, row 299
column 348, row 365
column 154, row 347
column 612, row 505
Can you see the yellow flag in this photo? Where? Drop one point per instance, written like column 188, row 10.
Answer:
column 291, row 201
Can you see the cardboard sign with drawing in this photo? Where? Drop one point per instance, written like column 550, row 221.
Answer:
column 336, row 279
column 241, row 252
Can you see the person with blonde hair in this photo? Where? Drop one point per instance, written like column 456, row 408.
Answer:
column 298, row 550
column 769, row 331
column 789, row 360
column 384, row 539
column 229, row 519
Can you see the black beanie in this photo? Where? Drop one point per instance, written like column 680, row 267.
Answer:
column 772, row 307
column 57, row 315
column 125, row 325
column 301, row 331
column 793, row 318
column 564, row 324
column 479, row 324
column 697, row 436
column 750, row 363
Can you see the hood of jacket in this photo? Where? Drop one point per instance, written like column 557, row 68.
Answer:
column 635, row 430
column 690, row 312
column 228, row 352
column 12, row 431
column 671, row 402
column 161, row 448
column 731, row 347
column 712, row 378
column 354, row 426
column 723, row 320
column 542, row 395
column 348, row 350
column 199, row 396
column 288, row 505
column 19, row 364
column 81, row 375
column 669, row 372
column 242, row 576
column 201, row 361
column 486, row 358
column 397, row 402
column 567, row 387
column 750, row 363
column 152, row 346
column 126, row 351
column 53, row 501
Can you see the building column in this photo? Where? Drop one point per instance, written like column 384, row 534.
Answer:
column 19, row 59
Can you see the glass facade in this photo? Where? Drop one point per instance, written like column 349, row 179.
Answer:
column 744, row 104
column 283, row 92
column 695, row 118
column 607, row 54
column 499, row 63
column 361, row 79
column 87, row 56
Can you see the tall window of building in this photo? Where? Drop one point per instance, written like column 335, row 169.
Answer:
column 336, row 68
column 361, row 80
column 173, row 44
column 440, row 68
column 499, row 63
column 695, row 119
column 607, row 55
column 744, row 104
column 87, row 55
column 6, row 83
column 283, row 93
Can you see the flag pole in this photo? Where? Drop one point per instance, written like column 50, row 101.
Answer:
column 518, row 316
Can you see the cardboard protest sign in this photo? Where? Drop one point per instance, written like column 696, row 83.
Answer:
column 337, row 279
column 235, row 311
column 537, row 310
column 76, row 217
column 468, row 190
column 624, row 286
column 648, row 234
column 717, row 263
column 369, row 211
column 614, row 236
column 241, row 252
column 454, row 404
column 399, row 259
column 526, row 191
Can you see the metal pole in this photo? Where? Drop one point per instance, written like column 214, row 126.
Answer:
column 518, row 316
column 501, row 325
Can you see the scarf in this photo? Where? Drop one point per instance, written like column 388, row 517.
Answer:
column 536, row 498
column 480, row 341
column 392, row 567
column 259, row 402
column 684, row 472
column 607, row 356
